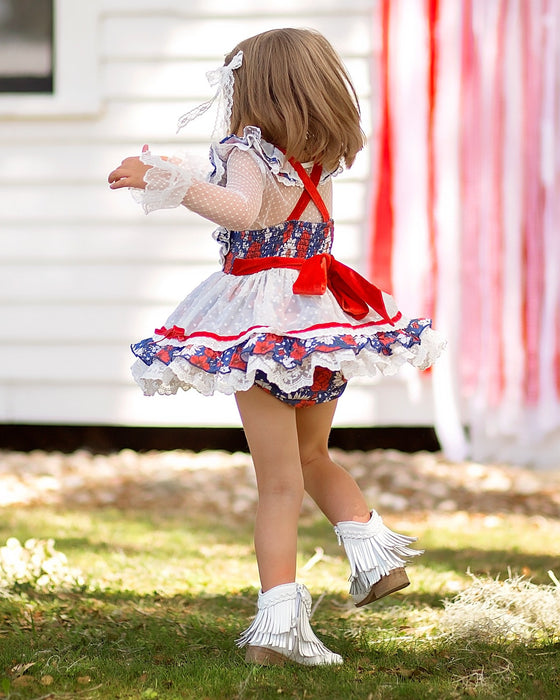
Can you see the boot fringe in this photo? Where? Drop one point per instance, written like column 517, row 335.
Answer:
column 373, row 550
column 282, row 623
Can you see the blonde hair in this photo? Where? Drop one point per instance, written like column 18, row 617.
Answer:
column 294, row 87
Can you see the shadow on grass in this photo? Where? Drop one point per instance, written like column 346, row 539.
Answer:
column 182, row 646
column 135, row 644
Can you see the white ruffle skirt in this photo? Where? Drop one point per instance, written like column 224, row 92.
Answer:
column 231, row 329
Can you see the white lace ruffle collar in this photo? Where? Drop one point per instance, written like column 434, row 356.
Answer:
column 270, row 155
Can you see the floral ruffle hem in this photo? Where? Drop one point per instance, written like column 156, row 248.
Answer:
column 167, row 363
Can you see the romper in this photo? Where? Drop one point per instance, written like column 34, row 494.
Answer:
column 282, row 313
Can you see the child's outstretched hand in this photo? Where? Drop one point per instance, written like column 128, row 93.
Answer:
column 130, row 173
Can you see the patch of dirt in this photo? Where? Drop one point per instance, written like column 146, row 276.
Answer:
column 223, row 483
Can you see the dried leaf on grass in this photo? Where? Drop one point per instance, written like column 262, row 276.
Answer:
column 513, row 610
column 20, row 669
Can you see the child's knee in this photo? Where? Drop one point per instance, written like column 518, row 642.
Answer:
column 313, row 456
column 279, row 491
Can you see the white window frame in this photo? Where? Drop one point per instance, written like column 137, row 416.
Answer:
column 76, row 67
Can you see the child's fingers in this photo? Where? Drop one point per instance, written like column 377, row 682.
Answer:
column 115, row 175
column 118, row 176
column 115, row 184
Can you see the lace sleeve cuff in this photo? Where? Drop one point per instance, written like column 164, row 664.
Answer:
column 168, row 180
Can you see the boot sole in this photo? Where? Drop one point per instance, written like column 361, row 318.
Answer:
column 394, row 581
column 264, row 656
column 269, row 657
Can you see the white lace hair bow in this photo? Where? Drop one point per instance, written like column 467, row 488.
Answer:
column 222, row 78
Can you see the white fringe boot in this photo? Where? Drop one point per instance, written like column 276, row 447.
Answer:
column 377, row 558
column 281, row 631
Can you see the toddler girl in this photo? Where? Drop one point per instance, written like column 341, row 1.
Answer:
column 283, row 325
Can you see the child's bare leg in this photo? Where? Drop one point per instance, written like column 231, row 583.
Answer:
column 376, row 554
column 270, row 428
column 329, row 485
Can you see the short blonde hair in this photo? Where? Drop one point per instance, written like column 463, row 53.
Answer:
column 295, row 88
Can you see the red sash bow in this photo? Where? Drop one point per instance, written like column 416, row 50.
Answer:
column 353, row 292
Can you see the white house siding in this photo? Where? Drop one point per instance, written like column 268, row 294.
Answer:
column 82, row 271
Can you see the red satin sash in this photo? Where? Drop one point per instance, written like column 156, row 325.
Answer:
column 353, row 292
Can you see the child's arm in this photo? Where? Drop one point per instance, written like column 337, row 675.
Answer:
column 159, row 182
column 235, row 206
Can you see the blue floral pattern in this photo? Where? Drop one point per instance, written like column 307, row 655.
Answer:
column 291, row 239
column 284, row 350
column 327, row 386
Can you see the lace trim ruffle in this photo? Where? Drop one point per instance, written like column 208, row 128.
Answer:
column 287, row 362
column 168, row 180
column 268, row 154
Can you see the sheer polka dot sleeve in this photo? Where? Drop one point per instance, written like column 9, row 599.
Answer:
column 236, row 205
column 172, row 181
column 246, row 183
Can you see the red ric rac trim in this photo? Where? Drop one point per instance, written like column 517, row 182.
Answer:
column 291, row 333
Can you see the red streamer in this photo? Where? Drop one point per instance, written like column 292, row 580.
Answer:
column 495, row 351
column 469, row 364
column 382, row 240
column 433, row 17
column 533, row 200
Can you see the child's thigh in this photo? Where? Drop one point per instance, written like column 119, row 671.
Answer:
column 313, row 428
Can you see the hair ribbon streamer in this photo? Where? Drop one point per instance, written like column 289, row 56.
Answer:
column 222, row 79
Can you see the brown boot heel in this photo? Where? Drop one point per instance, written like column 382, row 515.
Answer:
column 264, row 656
column 394, row 581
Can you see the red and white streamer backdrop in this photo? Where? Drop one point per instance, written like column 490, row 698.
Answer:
column 466, row 211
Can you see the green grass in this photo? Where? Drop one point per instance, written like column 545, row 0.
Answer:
column 165, row 597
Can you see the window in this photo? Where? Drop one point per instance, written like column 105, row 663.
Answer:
column 26, row 46
column 48, row 58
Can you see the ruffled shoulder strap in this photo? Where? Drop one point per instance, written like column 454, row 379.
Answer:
column 268, row 155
